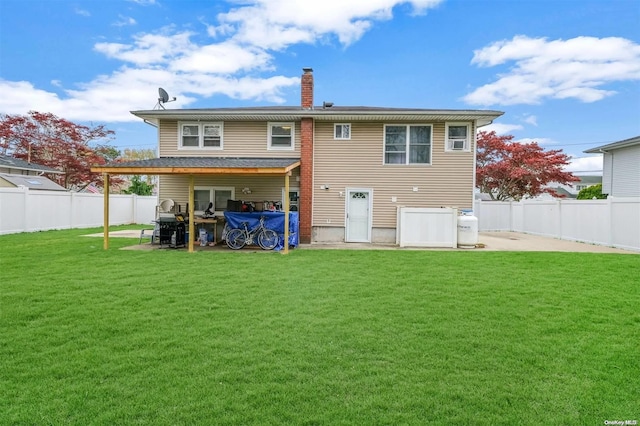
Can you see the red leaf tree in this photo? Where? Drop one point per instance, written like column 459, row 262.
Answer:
column 508, row 170
column 48, row 140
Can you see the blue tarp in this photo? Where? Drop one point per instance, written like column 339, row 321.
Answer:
column 272, row 220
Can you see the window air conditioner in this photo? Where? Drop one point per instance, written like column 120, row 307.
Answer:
column 457, row 144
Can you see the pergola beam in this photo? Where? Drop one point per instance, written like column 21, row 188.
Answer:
column 105, row 203
column 278, row 171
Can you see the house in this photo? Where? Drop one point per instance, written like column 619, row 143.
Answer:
column 621, row 167
column 572, row 191
column 15, row 172
column 345, row 169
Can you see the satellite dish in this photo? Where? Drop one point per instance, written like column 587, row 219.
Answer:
column 163, row 97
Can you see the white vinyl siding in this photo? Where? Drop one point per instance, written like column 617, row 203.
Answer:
column 621, row 177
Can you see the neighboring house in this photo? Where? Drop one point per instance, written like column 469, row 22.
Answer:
column 15, row 172
column 347, row 168
column 621, row 167
column 571, row 191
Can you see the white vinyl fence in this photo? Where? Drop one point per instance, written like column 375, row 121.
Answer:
column 612, row 222
column 25, row 210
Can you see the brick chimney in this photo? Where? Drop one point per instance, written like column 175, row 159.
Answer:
column 306, row 88
column 306, row 158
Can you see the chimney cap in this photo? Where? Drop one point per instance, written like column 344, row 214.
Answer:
column 307, row 69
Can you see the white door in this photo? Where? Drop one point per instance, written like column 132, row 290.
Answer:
column 358, row 221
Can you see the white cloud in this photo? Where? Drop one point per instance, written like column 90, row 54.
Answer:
column 276, row 24
column 531, row 119
column 579, row 68
column 82, row 12
column 585, row 165
column 500, row 128
column 124, row 21
column 144, row 2
column 227, row 60
column 110, row 98
column 149, row 48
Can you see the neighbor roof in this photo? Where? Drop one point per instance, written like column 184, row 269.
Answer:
column 16, row 163
column 616, row 145
column 320, row 113
column 201, row 165
column 32, row 182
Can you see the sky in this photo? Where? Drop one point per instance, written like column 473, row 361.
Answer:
column 566, row 73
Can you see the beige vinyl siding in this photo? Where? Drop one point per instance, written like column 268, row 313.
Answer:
column 358, row 163
column 240, row 139
column 6, row 184
column 263, row 188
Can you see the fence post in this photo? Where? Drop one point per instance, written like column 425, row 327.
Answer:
column 560, row 233
column 511, row 226
column 26, row 205
column 134, row 208
column 610, row 219
column 72, row 209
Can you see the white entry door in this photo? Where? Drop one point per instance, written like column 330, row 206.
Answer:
column 358, row 220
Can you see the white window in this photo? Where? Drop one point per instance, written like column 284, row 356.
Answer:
column 201, row 135
column 216, row 196
column 281, row 136
column 407, row 144
column 342, row 131
column 458, row 137
column 294, row 199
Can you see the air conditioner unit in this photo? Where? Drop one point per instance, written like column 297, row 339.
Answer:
column 457, row 144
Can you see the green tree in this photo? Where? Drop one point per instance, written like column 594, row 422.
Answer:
column 591, row 192
column 140, row 182
column 139, row 187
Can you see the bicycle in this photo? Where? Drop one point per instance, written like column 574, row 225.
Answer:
column 266, row 238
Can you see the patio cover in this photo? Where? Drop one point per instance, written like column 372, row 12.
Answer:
column 198, row 166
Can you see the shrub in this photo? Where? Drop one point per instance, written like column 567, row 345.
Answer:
column 591, row 192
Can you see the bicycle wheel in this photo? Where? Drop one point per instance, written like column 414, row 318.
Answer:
column 236, row 239
column 268, row 239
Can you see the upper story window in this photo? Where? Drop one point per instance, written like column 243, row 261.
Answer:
column 342, row 131
column 201, row 135
column 458, row 137
column 281, row 136
column 407, row 144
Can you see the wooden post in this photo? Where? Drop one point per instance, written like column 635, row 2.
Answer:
column 191, row 214
column 286, row 212
column 105, row 196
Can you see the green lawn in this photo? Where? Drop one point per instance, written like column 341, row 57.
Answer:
column 318, row 337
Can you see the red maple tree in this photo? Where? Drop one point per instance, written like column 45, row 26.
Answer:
column 48, row 140
column 508, row 170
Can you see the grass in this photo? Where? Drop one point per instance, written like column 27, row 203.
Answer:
column 318, row 337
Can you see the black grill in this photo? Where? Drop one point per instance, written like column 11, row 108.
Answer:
column 172, row 232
